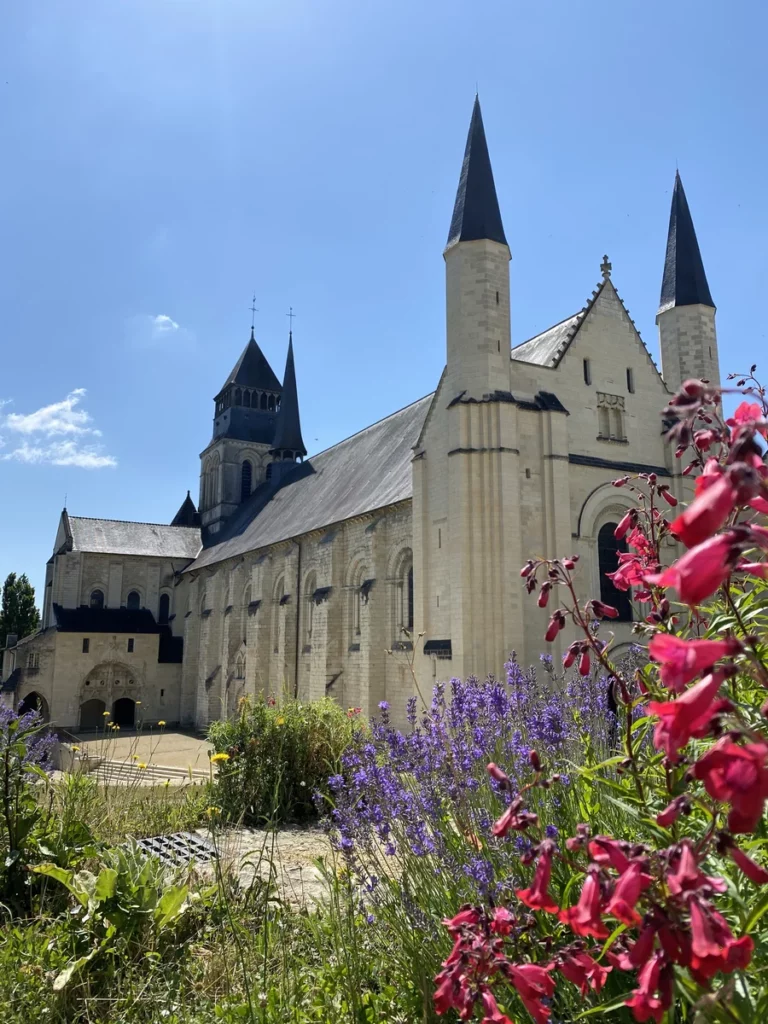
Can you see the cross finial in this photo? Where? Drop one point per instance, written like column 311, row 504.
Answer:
column 605, row 267
column 290, row 314
column 254, row 311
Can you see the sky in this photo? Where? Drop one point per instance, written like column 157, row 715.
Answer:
column 163, row 161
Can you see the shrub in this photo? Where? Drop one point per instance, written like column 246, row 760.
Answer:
column 277, row 756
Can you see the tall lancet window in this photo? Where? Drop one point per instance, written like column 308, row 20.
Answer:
column 608, row 549
column 246, row 476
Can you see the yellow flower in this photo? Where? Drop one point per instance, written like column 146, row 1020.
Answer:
column 210, row 811
column 219, row 757
column 141, row 765
column 117, row 728
column 161, row 723
column 137, row 703
column 75, row 750
column 135, row 757
column 106, row 713
column 280, row 721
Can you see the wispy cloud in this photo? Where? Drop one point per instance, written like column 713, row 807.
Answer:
column 153, row 329
column 57, row 435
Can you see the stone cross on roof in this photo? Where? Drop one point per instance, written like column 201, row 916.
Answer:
column 606, row 267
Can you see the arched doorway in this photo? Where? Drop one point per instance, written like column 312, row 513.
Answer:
column 35, row 702
column 92, row 714
column 124, row 712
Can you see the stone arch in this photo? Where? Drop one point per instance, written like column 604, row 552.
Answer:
column 164, row 608
column 96, row 598
column 92, row 714
column 34, row 701
column 133, row 600
column 124, row 712
column 604, row 506
column 308, row 588
column 402, row 605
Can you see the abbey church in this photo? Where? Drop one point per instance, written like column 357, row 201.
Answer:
column 397, row 552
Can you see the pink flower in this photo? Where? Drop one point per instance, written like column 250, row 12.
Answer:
column 653, row 978
column 682, row 660
column 736, row 775
column 754, row 872
column 604, row 611
column 467, row 916
column 686, row 875
column 713, row 946
column 556, row 623
column 630, row 886
column 679, row 719
column 513, row 819
column 754, row 568
column 700, row 571
column 604, row 850
column 748, row 414
column 583, row 971
column 671, row 812
column 537, row 897
column 706, row 513
column 639, row 951
column 491, row 1012
column 624, row 525
column 533, row 985
column 584, row 918
column 584, row 662
column 502, row 921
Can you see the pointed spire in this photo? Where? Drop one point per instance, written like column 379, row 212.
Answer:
column 684, row 282
column 476, row 211
column 187, row 514
column 252, row 369
column 288, row 439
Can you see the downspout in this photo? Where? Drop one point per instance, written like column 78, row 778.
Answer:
column 298, row 623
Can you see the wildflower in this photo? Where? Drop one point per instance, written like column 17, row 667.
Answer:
column 682, row 718
column 514, row 819
column 218, row 758
column 604, row 850
column 134, row 757
column 672, row 811
column 537, row 897
column 533, row 985
column 75, row 750
column 707, row 512
column 556, row 623
column 467, row 915
column 713, row 947
column 106, row 713
column 654, row 978
column 502, row 921
column 748, row 414
column 491, row 1012
column 212, row 811
column 142, row 765
column 736, row 775
column 583, row 971
column 686, row 875
column 754, row 872
column 627, row 892
column 700, row 571
column 682, row 660
column 584, row 918
column 161, row 723
column 280, row 721
column 351, row 712
column 603, row 611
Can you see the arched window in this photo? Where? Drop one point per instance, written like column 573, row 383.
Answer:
column 133, row 601
column 310, row 586
column 164, row 612
column 240, row 667
column 608, row 549
column 97, row 599
column 269, row 471
column 409, row 600
column 263, row 400
column 247, row 399
column 403, row 605
column 246, row 475
column 238, row 396
column 271, row 403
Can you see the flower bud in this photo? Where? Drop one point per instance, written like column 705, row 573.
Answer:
column 624, row 525
column 669, row 498
column 527, row 568
column 496, row 773
column 584, row 662
column 543, row 600
column 533, row 757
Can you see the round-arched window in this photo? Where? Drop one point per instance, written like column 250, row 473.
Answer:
column 133, row 601
column 97, row 599
column 608, row 549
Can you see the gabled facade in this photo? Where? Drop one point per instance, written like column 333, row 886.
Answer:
column 398, row 550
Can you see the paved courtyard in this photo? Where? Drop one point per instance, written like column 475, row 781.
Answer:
column 167, row 748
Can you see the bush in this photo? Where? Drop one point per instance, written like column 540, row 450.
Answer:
column 275, row 757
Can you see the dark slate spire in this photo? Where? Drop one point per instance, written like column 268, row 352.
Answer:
column 187, row 514
column 288, row 441
column 476, row 212
column 252, row 370
column 684, row 283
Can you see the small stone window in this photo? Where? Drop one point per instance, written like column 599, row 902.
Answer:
column 97, row 599
column 133, row 601
column 610, row 417
column 246, row 477
column 33, row 661
column 587, row 371
column 630, row 380
column 130, row 645
column 86, row 645
column 165, row 609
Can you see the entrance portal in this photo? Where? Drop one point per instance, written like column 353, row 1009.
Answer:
column 34, row 702
column 124, row 712
column 92, row 714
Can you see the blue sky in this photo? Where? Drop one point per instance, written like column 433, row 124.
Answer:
column 162, row 160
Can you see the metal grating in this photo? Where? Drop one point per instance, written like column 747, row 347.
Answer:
column 179, row 848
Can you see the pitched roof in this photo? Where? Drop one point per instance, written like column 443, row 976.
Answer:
column 187, row 514
column 543, row 348
column 368, row 471
column 288, row 428
column 476, row 211
column 252, row 370
column 684, row 282
column 116, row 537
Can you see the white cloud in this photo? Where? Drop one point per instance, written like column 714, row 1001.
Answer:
column 163, row 324
column 149, row 330
column 41, row 442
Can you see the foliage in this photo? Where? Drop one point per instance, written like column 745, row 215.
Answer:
column 18, row 613
column 657, row 918
column 277, row 757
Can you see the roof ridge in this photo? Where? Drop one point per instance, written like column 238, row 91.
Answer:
column 370, row 425
column 546, row 330
column 131, row 522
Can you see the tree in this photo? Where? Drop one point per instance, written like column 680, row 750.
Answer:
column 18, row 613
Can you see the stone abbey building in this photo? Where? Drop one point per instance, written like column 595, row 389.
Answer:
column 320, row 575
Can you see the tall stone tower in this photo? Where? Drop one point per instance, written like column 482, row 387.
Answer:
column 686, row 317
column 465, row 470
column 245, row 415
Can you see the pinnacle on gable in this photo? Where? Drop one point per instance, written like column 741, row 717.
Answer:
column 476, row 211
column 684, row 282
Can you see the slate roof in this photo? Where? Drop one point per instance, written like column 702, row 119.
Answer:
column 187, row 514
column 288, row 428
column 684, row 282
column 252, row 370
column 543, row 349
column 105, row 620
column 116, row 537
column 476, row 211
column 368, row 471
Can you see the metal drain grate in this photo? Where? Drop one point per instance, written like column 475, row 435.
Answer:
column 179, row 848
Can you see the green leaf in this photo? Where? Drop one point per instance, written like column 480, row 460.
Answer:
column 63, row 979
column 612, row 938
column 170, row 905
column 609, row 1008
column 106, row 884
column 756, row 914
column 65, row 877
